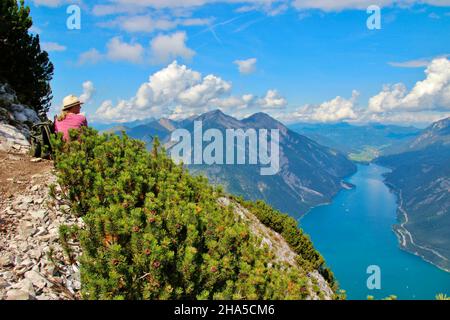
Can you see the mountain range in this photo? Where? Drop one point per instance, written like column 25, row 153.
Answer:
column 421, row 177
column 310, row 174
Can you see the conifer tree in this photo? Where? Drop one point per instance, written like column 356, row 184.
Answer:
column 23, row 64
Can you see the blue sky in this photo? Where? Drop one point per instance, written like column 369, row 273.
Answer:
column 298, row 60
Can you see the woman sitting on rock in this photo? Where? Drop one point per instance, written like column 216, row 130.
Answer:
column 70, row 117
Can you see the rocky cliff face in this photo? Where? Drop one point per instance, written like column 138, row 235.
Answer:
column 16, row 121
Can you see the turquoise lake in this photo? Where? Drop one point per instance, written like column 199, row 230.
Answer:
column 355, row 231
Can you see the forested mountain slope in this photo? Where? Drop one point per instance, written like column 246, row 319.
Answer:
column 421, row 177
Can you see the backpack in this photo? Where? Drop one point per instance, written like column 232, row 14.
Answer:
column 40, row 134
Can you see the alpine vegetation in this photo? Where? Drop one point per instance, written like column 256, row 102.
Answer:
column 153, row 231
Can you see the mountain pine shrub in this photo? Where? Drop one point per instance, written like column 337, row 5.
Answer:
column 153, row 231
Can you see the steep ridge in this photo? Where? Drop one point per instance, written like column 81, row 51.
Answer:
column 421, row 177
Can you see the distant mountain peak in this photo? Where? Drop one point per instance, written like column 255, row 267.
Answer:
column 214, row 114
column 261, row 116
column 167, row 123
column 441, row 124
column 264, row 121
column 217, row 118
column 438, row 132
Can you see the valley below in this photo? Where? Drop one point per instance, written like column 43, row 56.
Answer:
column 355, row 231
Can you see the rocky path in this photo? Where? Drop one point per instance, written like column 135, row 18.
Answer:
column 32, row 261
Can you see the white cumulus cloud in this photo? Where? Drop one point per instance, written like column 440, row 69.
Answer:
column 91, row 56
column 272, row 100
column 179, row 92
column 165, row 48
column 172, row 87
column 246, row 66
column 122, row 51
column 431, row 93
column 335, row 110
column 161, row 50
column 88, row 91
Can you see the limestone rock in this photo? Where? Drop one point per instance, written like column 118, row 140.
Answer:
column 26, row 229
column 27, row 286
column 16, row 294
column 12, row 139
column 39, row 214
column 36, row 279
column 6, row 259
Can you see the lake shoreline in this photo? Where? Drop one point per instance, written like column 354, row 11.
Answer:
column 402, row 233
column 345, row 186
column 370, row 214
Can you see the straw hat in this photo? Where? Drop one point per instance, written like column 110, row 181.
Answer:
column 71, row 101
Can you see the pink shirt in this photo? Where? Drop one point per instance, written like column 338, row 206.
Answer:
column 72, row 121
